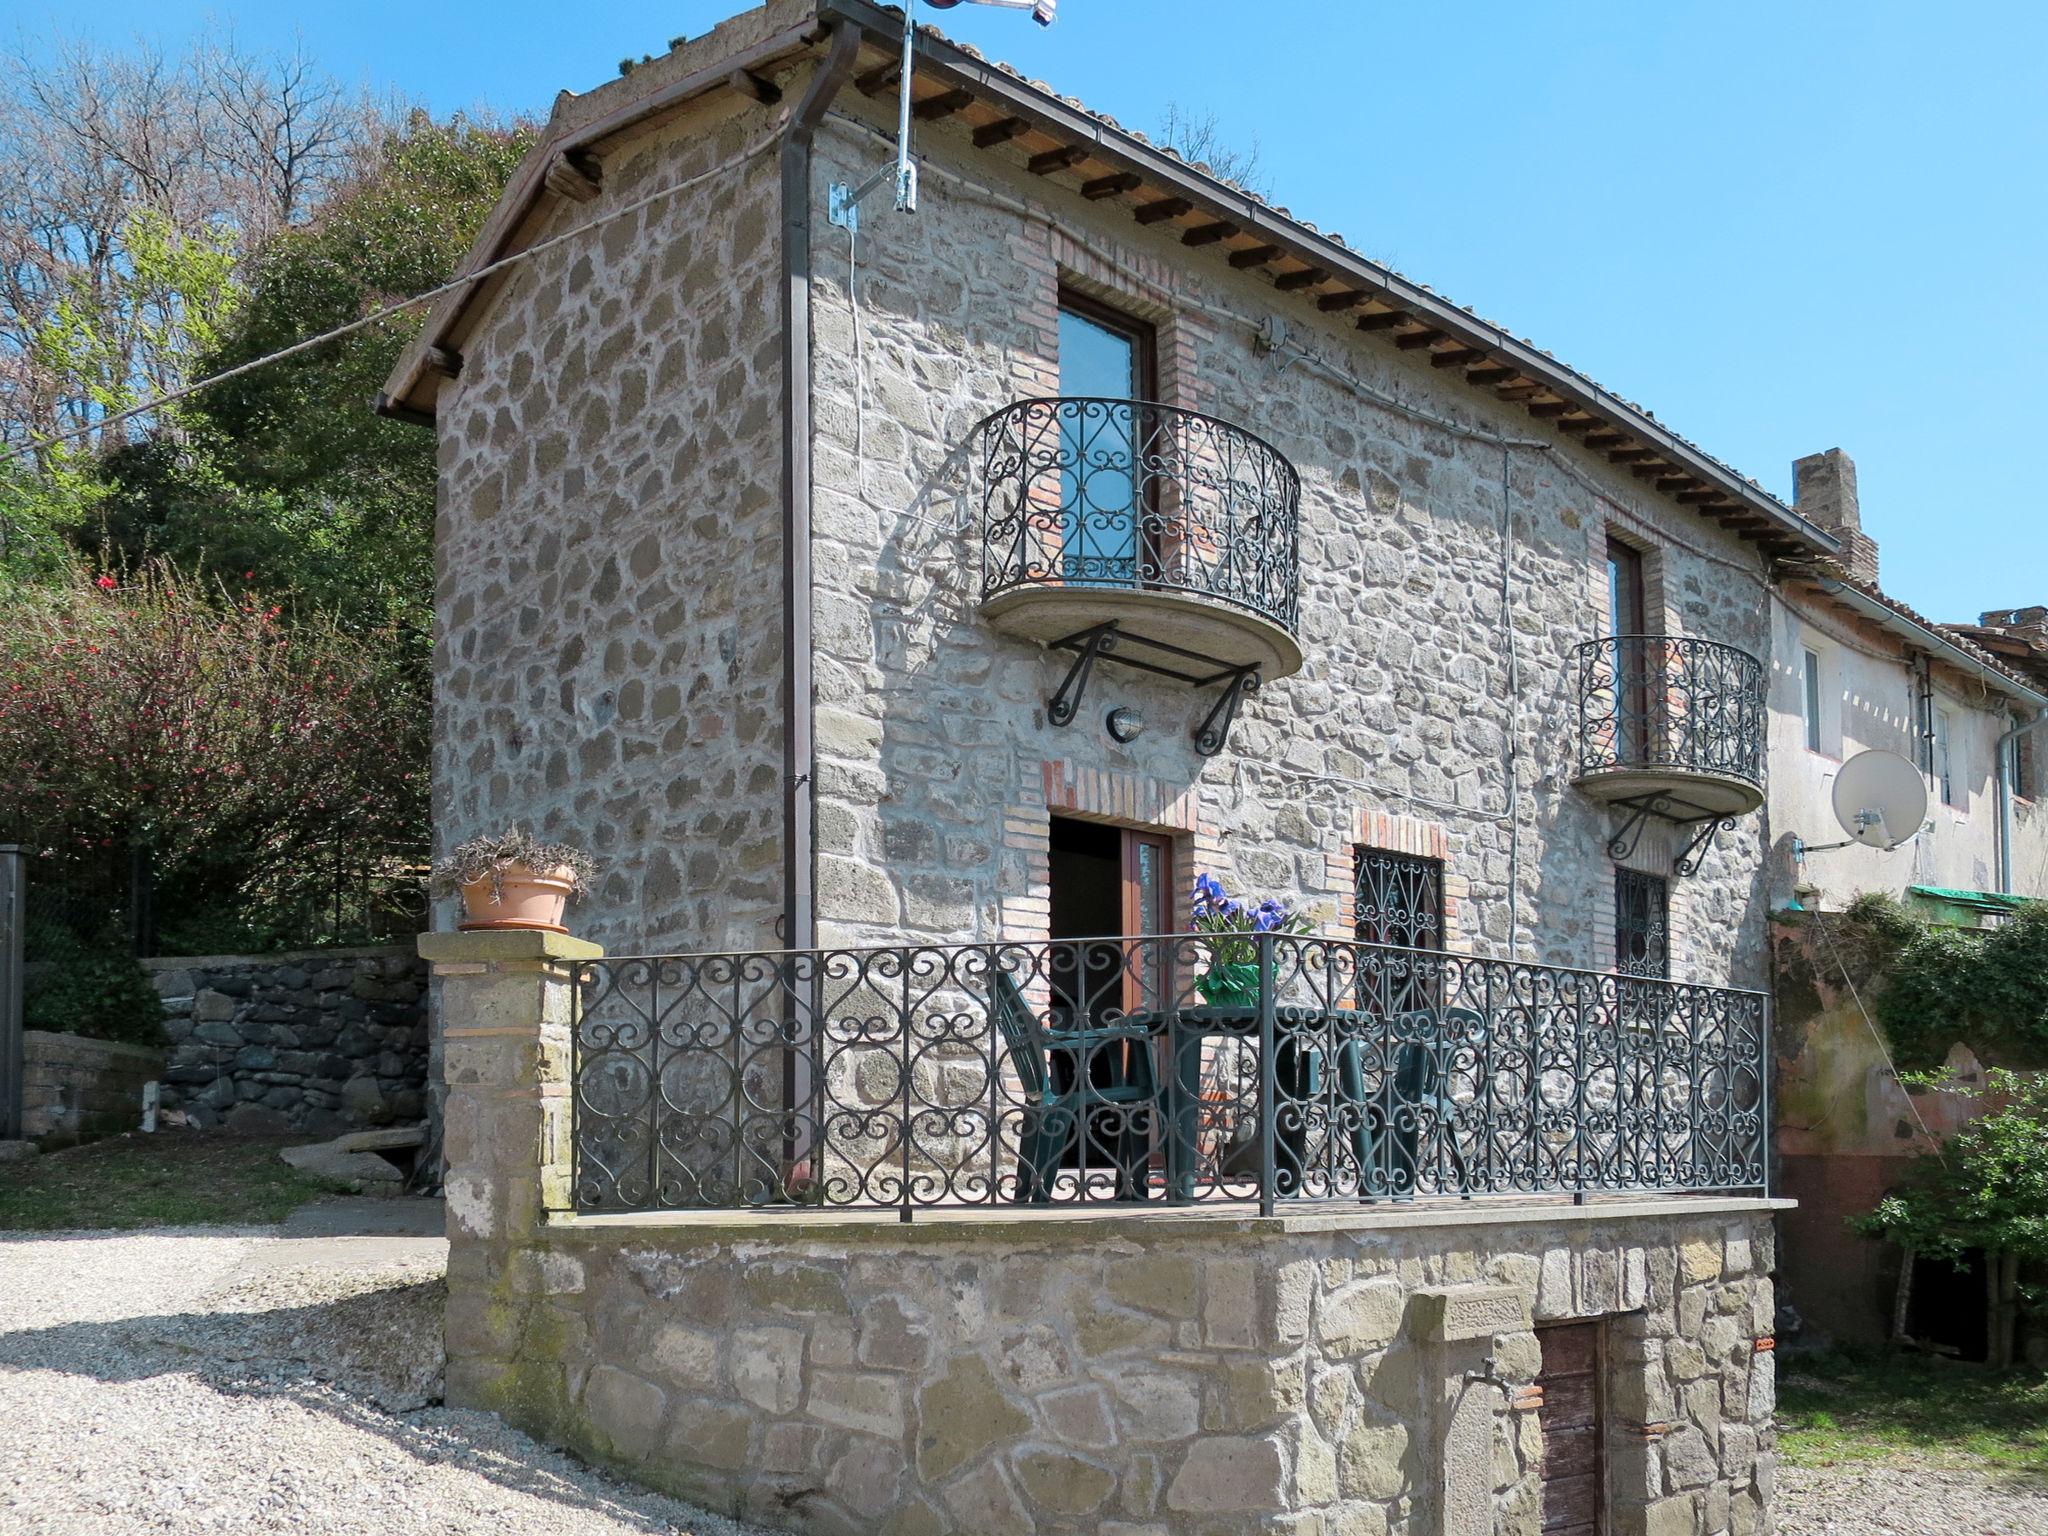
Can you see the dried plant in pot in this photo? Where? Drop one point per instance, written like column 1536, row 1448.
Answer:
column 513, row 880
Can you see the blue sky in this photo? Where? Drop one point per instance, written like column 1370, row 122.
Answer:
column 1781, row 227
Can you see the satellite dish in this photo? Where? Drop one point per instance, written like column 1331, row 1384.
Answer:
column 1880, row 799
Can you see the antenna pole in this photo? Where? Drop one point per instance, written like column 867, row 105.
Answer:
column 906, row 169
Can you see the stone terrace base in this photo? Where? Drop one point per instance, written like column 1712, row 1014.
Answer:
column 1130, row 1374
column 1135, row 1374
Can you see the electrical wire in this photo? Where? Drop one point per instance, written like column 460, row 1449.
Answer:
column 1827, row 935
column 454, row 285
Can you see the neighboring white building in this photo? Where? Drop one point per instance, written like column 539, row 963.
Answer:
column 1853, row 669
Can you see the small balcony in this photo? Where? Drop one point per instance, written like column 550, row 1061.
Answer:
column 1161, row 538
column 1671, row 726
column 1257, row 1071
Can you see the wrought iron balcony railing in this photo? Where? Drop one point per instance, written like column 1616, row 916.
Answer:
column 1187, row 1070
column 1671, row 703
column 1126, row 495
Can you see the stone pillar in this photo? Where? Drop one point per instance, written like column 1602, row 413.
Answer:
column 504, row 1014
column 1478, row 1344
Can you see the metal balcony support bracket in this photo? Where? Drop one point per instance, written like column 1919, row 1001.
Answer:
column 1214, row 730
column 1110, row 640
column 1668, row 808
column 1695, row 853
column 1061, row 708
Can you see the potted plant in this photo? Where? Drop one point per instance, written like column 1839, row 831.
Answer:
column 513, row 880
column 1232, row 980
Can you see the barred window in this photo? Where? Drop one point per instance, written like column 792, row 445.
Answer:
column 1400, row 899
column 1642, row 924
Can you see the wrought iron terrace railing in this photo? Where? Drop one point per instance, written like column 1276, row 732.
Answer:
column 1126, row 494
column 1665, row 701
column 1186, row 1070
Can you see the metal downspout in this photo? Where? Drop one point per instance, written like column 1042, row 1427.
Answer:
column 799, row 806
column 2001, row 754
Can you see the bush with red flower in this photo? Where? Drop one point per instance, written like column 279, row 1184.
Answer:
column 155, row 712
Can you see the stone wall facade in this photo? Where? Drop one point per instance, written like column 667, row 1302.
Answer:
column 76, row 1089
column 933, row 738
column 608, row 649
column 611, row 619
column 1142, row 1374
column 321, row 1042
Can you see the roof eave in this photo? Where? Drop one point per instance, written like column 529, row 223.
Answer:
column 1255, row 217
column 1930, row 639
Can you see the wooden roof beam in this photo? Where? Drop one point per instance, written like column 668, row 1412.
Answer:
column 1064, row 158
column 575, row 175
column 1417, row 339
column 1161, row 209
column 1337, row 303
column 1209, row 234
column 1257, row 256
column 1489, row 373
column 1111, row 186
column 1384, row 320
column 945, row 104
column 1550, row 408
column 1456, row 357
column 1631, row 455
column 1001, row 131
column 1605, row 437
column 1673, row 482
column 758, row 87
column 880, row 78
column 1308, row 277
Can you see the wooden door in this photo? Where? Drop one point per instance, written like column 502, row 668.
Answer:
column 1574, row 1430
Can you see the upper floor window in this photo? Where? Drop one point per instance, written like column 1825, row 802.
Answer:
column 2020, row 764
column 1625, row 602
column 1106, row 442
column 1946, row 776
column 1810, row 697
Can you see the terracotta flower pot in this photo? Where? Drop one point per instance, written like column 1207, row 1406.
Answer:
column 525, row 899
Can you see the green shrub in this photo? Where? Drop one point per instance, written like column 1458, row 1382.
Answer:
column 102, row 996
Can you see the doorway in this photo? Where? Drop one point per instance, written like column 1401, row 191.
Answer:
column 1106, row 361
column 1574, row 1421
column 1108, row 882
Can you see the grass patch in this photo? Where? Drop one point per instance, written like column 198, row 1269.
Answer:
column 166, row 1180
column 1874, row 1406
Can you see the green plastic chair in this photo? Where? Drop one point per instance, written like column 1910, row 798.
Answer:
column 1053, row 1116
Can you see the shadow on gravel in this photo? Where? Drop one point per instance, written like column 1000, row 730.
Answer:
column 370, row 1360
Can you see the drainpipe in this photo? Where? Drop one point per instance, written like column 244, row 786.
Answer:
column 799, row 788
column 2001, row 754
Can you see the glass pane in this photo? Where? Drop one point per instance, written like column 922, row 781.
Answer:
column 1812, row 702
column 1151, row 889
column 1099, row 483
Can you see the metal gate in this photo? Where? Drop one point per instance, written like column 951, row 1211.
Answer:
column 13, row 874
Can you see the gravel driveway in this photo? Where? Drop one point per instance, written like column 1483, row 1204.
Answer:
column 212, row 1380
column 1906, row 1501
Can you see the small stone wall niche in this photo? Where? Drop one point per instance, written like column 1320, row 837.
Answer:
column 321, row 1041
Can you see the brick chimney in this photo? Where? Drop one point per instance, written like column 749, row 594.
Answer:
column 2028, row 623
column 1824, row 493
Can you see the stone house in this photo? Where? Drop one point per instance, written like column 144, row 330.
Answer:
column 1853, row 670
column 897, row 602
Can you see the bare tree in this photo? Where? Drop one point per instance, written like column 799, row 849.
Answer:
column 1198, row 137
column 124, row 174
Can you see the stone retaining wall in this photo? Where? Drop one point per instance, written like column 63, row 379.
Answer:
column 1141, row 1375
column 321, row 1041
column 73, row 1088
